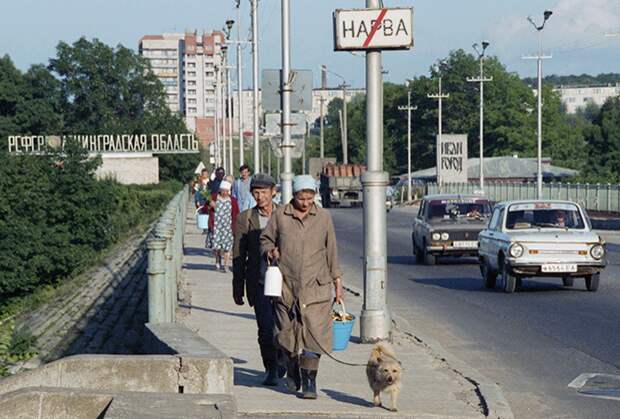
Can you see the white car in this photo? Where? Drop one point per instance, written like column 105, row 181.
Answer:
column 540, row 238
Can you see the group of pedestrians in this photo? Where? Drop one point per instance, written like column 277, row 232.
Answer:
column 296, row 328
column 298, row 236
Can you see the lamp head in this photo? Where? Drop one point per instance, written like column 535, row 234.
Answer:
column 224, row 48
column 230, row 23
column 547, row 14
column 485, row 45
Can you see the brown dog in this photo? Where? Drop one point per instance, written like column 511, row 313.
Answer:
column 383, row 371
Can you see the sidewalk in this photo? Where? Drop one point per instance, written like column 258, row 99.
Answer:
column 431, row 388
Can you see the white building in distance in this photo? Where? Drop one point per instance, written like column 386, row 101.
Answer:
column 575, row 97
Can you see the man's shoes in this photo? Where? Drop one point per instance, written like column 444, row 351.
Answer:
column 293, row 377
column 271, row 379
column 308, row 384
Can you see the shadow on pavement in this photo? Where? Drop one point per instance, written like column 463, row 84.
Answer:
column 253, row 378
column 196, row 251
column 347, row 398
column 401, row 260
column 199, row 266
column 228, row 313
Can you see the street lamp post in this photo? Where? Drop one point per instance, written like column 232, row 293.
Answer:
column 343, row 127
column 375, row 322
column 255, row 80
column 481, row 79
column 285, row 89
column 539, row 57
column 239, row 87
column 439, row 96
column 224, row 139
column 218, row 145
column 408, row 108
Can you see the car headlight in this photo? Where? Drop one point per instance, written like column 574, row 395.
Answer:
column 516, row 250
column 597, row 251
column 436, row 236
column 445, row 236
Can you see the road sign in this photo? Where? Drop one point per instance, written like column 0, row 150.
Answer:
column 452, row 158
column 298, row 121
column 301, row 96
column 373, row 29
column 296, row 152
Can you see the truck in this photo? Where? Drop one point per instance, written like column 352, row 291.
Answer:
column 341, row 185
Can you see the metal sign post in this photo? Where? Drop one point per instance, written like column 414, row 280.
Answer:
column 374, row 29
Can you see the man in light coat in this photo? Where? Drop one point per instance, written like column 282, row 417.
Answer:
column 301, row 237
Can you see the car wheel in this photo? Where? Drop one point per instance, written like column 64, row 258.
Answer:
column 509, row 281
column 592, row 282
column 568, row 281
column 428, row 258
column 488, row 276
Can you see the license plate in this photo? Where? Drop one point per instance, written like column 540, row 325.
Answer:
column 559, row 267
column 472, row 244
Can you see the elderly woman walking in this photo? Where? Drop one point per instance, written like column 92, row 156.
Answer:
column 222, row 220
column 301, row 237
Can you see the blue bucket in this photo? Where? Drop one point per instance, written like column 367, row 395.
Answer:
column 203, row 221
column 341, row 331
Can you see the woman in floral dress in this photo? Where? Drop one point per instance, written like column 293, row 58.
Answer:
column 223, row 219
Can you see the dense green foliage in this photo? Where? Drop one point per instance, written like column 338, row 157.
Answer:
column 576, row 80
column 55, row 217
column 586, row 141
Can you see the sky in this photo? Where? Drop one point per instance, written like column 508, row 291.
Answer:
column 574, row 35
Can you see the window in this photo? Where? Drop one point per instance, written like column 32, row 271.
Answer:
column 191, row 92
column 191, row 83
column 191, row 73
column 191, row 110
column 191, row 101
column 495, row 219
column 191, row 65
column 209, row 74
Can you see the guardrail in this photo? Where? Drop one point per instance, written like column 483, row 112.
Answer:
column 593, row 197
column 165, row 260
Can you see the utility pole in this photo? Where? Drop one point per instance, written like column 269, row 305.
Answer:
column 224, row 140
column 345, row 132
column 481, row 79
column 218, row 154
column 255, row 80
column 285, row 89
column 408, row 108
column 239, row 86
column 375, row 322
column 439, row 96
column 230, row 121
column 322, row 101
column 539, row 57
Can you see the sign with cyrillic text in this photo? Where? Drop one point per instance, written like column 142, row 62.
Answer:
column 106, row 143
column 452, row 158
column 373, row 29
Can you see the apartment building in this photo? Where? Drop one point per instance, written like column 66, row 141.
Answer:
column 575, row 97
column 186, row 65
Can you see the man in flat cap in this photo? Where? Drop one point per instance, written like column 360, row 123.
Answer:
column 250, row 265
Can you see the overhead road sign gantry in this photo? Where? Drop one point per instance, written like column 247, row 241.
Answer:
column 373, row 29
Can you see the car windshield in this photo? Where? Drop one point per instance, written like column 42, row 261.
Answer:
column 454, row 209
column 544, row 215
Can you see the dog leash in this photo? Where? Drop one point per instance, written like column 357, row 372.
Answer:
column 296, row 306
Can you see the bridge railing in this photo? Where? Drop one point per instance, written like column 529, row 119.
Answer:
column 165, row 260
column 592, row 197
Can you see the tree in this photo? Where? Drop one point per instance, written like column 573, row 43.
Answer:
column 603, row 142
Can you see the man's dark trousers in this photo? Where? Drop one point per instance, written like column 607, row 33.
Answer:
column 263, row 308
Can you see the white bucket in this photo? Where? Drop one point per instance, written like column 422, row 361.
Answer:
column 273, row 282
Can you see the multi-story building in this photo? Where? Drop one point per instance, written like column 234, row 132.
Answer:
column 186, row 65
column 575, row 97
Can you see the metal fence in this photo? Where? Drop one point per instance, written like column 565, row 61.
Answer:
column 165, row 260
column 593, row 197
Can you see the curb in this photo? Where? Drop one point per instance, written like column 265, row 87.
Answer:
column 490, row 394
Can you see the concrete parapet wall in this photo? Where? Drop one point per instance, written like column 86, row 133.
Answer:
column 119, row 373
column 53, row 402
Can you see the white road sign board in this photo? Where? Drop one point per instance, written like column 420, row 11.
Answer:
column 370, row 29
column 452, row 158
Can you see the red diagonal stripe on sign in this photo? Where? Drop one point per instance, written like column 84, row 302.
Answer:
column 375, row 27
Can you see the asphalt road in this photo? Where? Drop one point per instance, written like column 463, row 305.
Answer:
column 532, row 343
